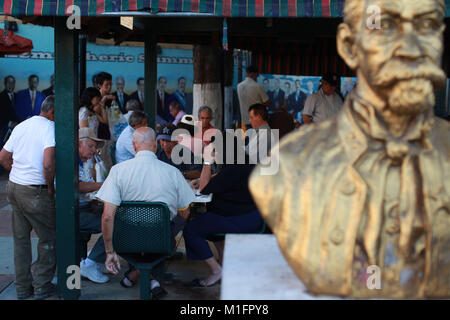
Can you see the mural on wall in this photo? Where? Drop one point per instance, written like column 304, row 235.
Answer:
column 288, row 92
column 125, row 64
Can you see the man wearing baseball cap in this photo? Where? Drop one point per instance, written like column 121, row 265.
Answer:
column 191, row 168
column 90, row 214
column 325, row 102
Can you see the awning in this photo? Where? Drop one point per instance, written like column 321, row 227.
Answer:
column 13, row 44
column 225, row 8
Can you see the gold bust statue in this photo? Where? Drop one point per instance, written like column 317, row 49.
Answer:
column 370, row 187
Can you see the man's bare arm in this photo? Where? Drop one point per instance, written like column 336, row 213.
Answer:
column 86, row 187
column 49, row 169
column 112, row 262
column 205, row 176
column 306, row 119
column 6, row 159
column 109, row 211
column 184, row 213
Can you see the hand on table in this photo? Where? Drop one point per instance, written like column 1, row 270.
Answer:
column 195, row 184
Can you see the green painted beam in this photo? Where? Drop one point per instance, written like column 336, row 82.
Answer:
column 150, row 75
column 66, row 133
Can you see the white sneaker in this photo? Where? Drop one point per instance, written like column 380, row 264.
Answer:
column 93, row 273
column 103, row 268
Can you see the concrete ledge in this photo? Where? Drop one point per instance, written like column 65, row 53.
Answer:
column 255, row 269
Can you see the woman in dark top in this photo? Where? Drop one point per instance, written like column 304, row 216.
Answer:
column 232, row 210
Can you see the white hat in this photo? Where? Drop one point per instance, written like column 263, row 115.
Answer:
column 87, row 132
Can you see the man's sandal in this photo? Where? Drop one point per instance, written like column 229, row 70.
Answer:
column 127, row 282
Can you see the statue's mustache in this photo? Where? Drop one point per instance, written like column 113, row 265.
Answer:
column 395, row 70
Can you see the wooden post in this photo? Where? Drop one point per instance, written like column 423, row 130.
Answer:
column 66, row 133
column 150, row 74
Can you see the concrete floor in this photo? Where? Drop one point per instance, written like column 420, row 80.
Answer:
column 183, row 270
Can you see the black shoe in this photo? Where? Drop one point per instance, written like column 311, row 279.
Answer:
column 45, row 294
column 26, row 295
column 158, row 293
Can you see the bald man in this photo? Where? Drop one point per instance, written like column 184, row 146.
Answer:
column 143, row 178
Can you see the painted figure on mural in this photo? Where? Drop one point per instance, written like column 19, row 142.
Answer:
column 28, row 101
column 369, row 189
column 121, row 97
column 183, row 97
column 139, row 94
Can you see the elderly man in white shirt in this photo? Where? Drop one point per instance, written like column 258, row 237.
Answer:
column 124, row 145
column 143, row 178
column 30, row 156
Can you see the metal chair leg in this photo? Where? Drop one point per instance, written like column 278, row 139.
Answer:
column 144, row 280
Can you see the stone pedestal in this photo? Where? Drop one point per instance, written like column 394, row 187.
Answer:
column 255, row 269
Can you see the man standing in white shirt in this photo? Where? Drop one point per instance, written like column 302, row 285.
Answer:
column 251, row 92
column 143, row 178
column 124, row 145
column 30, row 156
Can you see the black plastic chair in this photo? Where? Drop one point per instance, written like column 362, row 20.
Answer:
column 142, row 237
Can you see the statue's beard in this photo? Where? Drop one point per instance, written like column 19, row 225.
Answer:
column 411, row 97
column 409, row 87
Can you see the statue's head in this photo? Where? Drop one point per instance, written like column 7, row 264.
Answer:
column 396, row 47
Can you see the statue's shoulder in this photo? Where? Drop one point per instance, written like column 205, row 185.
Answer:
column 310, row 140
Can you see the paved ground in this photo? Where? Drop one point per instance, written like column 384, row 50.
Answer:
column 183, row 270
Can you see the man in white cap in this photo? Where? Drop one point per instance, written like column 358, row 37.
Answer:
column 90, row 214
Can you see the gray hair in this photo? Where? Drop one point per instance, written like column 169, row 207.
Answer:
column 133, row 105
column 205, row 108
column 144, row 135
column 136, row 118
column 48, row 104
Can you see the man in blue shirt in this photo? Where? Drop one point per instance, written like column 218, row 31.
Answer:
column 124, row 145
column 191, row 168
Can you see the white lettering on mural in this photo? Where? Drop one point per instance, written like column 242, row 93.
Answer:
column 121, row 58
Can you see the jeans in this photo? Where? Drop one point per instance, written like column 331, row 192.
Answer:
column 201, row 228
column 91, row 220
column 33, row 208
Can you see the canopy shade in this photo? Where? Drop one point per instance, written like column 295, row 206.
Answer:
column 222, row 8
column 225, row 8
